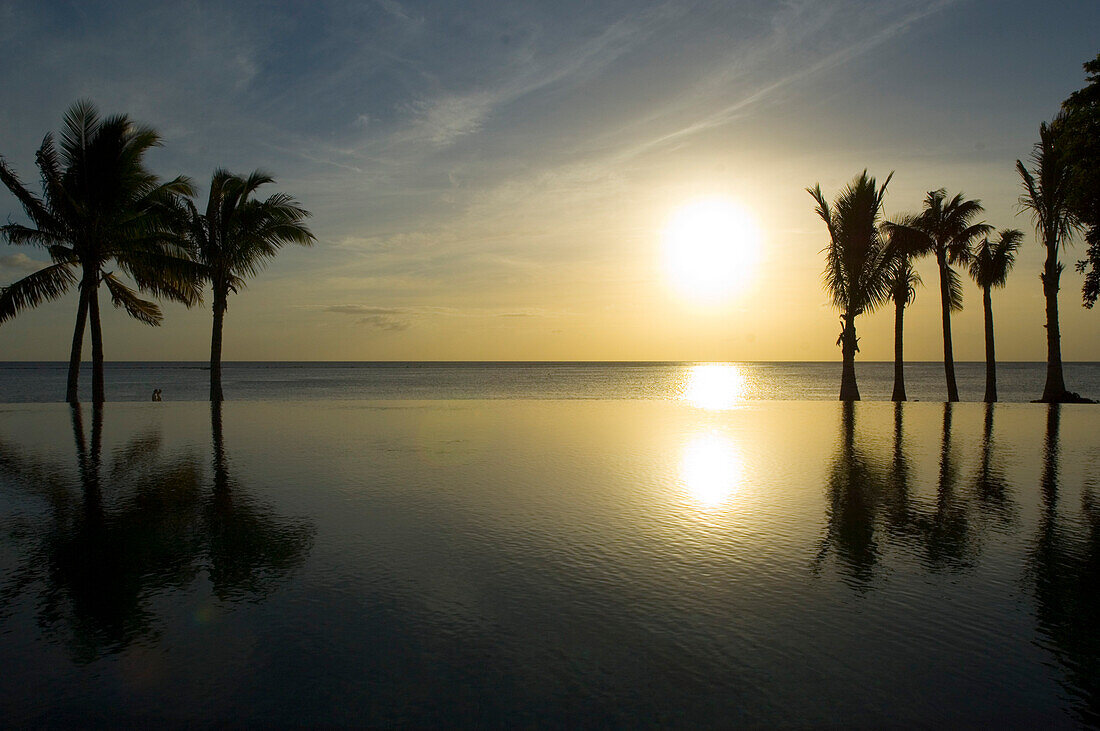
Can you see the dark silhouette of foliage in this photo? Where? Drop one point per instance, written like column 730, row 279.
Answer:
column 235, row 238
column 1046, row 194
column 1077, row 130
column 904, row 281
column 99, row 205
column 857, row 263
column 990, row 263
column 944, row 228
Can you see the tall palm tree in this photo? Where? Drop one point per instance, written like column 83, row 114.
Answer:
column 904, row 281
column 1046, row 190
column 857, row 263
column 235, row 238
column 990, row 262
column 945, row 228
column 99, row 205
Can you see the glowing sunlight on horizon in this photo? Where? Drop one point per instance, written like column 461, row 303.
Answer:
column 711, row 248
column 714, row 386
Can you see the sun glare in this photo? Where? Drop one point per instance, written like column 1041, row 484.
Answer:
column 714, row 386
column 711, row 469
column 711, row 248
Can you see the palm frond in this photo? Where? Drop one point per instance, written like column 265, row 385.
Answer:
column 857, row 257
column 21, row 235
column 238, row 234
column 81, row 121
column 125, row 298
column 1046, row 191
column 991, row 261
column 46, row 284
column 954, row 288
column 906, row 237
column 164, row 275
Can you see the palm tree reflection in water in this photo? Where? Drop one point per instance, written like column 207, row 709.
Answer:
column 1065, row 569
column 870, row 508
column 143, row 527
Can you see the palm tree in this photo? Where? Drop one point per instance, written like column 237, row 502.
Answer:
column 235, row 238
column 1046, row 190
column 99, row 205
column 990, row 263
column 904, row 281
column 944, row 228
column 857, row 263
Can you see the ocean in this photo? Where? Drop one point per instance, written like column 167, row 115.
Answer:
column 22, row 382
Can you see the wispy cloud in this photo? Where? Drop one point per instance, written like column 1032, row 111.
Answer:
column 397, row 319
column 18, row 265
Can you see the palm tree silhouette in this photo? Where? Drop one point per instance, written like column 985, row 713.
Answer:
column 99, row 205
column 990, row 263
column 857, row 263
column 944, row 228
column 1046, row 187
column 234, row 239
column 904, row 281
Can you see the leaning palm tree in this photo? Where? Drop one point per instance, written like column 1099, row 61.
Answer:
column 857, row 263
column 99, row 205
column 903, row 284
column 945, row 228
column 1046, row 190
column 990, row 262
column 235, row 238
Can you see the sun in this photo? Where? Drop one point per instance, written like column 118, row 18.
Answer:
column 711, row 248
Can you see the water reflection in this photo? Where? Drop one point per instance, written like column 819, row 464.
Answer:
column 714, row 386
column 711, row 469
column 947, row 531
column 142, row 526
column 1066, row 573
column 870, row 507
column 855, row 493
column 990, row 482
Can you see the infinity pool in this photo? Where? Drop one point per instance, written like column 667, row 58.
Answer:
column 551, row 563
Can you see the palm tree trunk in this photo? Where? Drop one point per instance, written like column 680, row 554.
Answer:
column 945, row 304
column 71, row 388
column 990, row 356
column 216, row 345
column 899, row 358
column 97, row 347
column 849, row 391
column 1055, row 388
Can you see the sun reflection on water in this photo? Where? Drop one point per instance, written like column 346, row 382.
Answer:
column 715, row 386
column 711, row 469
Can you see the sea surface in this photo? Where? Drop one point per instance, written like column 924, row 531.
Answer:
column 693, row 563
column 283, row 381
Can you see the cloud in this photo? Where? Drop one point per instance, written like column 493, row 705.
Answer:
column 364, row 310
column 447, row 118
column 20, row 263
column 399, row 318
column 385, row 322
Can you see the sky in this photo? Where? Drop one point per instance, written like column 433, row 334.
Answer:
column 495, row 180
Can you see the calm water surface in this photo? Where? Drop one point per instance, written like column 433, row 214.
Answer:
column 45, row 382
column 559, row 563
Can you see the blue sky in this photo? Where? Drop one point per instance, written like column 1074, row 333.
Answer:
column 490, row 180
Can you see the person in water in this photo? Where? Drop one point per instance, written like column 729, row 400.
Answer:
column 156, row 394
